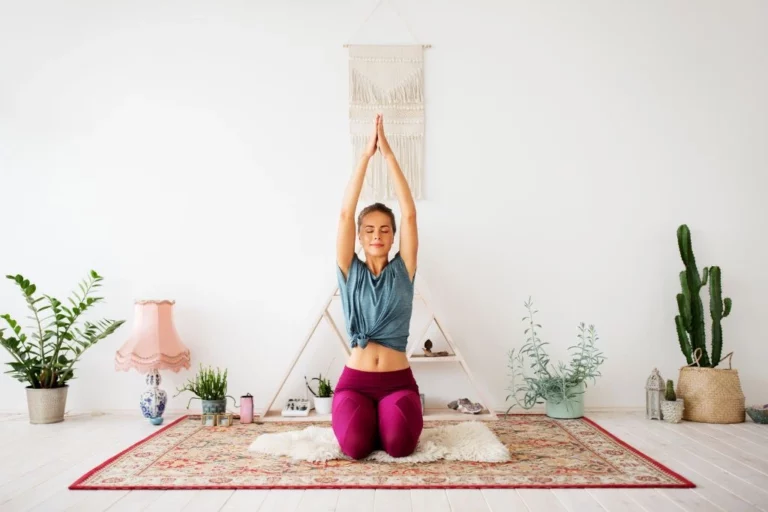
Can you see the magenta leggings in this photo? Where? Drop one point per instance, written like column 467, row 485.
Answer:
column 377, row 410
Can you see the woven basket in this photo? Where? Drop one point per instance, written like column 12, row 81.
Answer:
column 711, row 395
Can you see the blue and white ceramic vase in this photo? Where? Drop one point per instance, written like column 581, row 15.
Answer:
column 153, row 399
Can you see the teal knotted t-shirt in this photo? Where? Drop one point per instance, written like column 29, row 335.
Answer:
column 377, row 308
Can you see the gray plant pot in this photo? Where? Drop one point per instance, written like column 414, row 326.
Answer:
column 46, row 405
column 214, row 406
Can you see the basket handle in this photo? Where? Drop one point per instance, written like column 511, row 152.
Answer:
column 697, row 355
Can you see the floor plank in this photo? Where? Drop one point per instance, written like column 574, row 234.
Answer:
column 652, row 501
column 172, row 500
column 504, row 500
column 387, row 500
column 614, row 499
column 578, row 500
column 245, row 500
column 281, row 500
column 541, row 500
column 205, row 501
column 318, row 500
column 354, row 500
column 466, row 500
column 429, row 500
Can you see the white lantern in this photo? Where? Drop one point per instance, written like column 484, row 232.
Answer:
column 654, row 395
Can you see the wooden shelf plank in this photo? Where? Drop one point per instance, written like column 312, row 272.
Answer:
column 434, row 359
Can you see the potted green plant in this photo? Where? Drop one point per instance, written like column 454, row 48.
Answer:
column 671, row 407
column 324, row 396
column 210, row 387
column 711, row 394
column 45, row 360
column 561, row 387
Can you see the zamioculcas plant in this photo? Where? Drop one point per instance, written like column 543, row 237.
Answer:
column 46, row 358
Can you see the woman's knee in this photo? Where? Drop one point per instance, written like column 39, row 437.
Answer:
column 353, row 419
column 400, row 422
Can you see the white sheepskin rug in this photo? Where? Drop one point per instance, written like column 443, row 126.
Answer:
column 466, row 441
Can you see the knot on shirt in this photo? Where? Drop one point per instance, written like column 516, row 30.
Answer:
column 360, row 340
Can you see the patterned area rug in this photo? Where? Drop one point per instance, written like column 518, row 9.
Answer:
column 546, row 453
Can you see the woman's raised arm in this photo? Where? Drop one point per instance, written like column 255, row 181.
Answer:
column 409, row 234
column 345, row 237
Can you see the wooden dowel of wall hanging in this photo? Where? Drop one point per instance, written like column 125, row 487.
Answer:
column 423, row 46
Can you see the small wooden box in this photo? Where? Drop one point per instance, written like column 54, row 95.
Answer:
column 225, row 420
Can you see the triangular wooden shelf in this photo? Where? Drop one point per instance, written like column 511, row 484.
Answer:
column 417, row 359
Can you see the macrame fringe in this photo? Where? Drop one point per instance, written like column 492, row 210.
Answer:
column 378, row 185
column 409, row 90
column 388, row 79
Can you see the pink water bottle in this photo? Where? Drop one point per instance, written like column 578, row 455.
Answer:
column 246, row 408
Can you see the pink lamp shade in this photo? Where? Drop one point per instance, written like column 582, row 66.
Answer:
column 154, row 343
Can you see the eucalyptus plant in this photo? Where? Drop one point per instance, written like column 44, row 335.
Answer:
column 548, row 382
column 46, row 358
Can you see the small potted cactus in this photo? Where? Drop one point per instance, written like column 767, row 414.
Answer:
column 324, row 396
column 672, row 407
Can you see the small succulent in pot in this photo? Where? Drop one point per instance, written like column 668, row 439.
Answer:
column 672, row 407
column 324, row 396
column 669, row 394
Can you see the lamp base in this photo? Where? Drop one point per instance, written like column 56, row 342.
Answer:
column 153, row 399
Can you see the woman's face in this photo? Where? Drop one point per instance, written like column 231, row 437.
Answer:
column 376, row 234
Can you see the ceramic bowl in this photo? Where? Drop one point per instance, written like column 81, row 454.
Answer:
column 758, row 413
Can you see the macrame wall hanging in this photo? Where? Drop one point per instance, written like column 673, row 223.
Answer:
column 388, row 79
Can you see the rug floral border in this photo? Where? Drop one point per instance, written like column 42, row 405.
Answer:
column 684, row 483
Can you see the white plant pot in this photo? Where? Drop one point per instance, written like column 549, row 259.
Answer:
column 672, row 411
column 46, row 405
column 323, row 405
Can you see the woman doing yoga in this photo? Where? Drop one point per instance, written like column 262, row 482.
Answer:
column 376, row 402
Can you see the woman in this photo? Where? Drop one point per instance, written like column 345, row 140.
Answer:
column 376, row 402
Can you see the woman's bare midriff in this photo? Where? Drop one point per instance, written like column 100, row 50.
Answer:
column 377, row 358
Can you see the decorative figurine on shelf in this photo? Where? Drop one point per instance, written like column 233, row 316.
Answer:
column 428, row 350
column 654, row 395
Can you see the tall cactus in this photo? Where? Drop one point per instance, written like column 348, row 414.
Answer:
column 690, row 320
column 719, row 309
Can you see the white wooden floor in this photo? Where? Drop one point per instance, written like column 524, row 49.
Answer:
column 728, row 463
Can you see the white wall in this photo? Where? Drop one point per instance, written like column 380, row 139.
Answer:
column 198, row 151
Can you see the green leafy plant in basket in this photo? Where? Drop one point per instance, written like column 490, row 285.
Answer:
column 45, row 359
column 209, row 386
column 562, row 386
